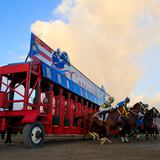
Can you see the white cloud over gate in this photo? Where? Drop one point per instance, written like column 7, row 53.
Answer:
column 104, row 39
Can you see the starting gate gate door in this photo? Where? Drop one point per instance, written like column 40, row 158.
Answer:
column 67, row 116
column 58, row 115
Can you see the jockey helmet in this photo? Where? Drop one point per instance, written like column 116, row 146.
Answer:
column 111, row 99
column 58, row 50
column 127, row 99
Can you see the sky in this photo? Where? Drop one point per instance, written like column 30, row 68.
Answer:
column 114, row 43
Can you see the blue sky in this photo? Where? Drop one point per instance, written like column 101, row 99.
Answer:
column 150, row 63
column 16, row 19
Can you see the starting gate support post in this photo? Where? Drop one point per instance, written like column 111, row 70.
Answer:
column 26, row 90
column 51, row 94
column 69, row 102
column 71, row 114
column 0, row 81
column 11, row 96
column 74, row 128
column 82, row 112
column 87, row 107
column 86, row 110
column 91, row 108
column 61, row 110
column 79, row 114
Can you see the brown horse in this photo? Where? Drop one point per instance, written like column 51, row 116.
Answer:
column 150, row 126
column 95, row 126
column 134, row 113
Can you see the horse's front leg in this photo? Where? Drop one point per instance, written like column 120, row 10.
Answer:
column 123, row 135
column 107, row 135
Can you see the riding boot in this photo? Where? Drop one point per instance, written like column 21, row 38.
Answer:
column 104, row 116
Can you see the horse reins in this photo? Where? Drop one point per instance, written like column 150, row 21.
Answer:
column 134, row 112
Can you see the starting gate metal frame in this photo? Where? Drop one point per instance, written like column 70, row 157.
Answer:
column 57, row 115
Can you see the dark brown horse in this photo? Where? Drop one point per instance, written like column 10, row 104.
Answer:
column 135, row 113
column 150, row 126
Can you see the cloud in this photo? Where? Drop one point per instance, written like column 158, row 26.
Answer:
column 104, row 39
column 152, row 102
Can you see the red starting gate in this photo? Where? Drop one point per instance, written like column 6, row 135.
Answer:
column 35, row 106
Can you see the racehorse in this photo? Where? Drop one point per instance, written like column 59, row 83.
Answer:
column 114, row 120
column 157, row 120
column 150, row 126
column 140, row 111
column 135, row 113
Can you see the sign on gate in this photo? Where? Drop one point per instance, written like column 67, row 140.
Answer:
column 56, row 67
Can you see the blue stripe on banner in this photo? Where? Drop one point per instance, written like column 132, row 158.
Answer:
column 48, row 71
column 54, row 76
column 63, row 80
column 67, row 83
column 57, row 78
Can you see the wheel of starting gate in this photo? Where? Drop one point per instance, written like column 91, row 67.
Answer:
column 33, row 135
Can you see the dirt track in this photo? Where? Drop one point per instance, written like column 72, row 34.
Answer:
column 83, row 150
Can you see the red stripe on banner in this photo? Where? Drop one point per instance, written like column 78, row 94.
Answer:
column 43, row 45
column 35, row 58
column 47, row 48
column 45, row 56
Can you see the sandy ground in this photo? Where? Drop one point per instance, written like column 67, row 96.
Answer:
column 83, row 150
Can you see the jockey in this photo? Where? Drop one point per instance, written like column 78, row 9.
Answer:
column 106, row 107
column 140, row 122
column 123, row 103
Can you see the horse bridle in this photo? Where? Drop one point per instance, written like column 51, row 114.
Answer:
column 155, row 112
column 142, row 105
column 137, row 114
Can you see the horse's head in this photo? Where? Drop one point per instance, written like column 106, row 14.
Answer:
column 155, row 112
column 140, row 107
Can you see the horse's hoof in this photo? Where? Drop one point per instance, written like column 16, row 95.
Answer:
column 137, row 137
column 126, row 139
column 108, row 140
column 103, row 140
column 7, row 142
column 122, row 139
